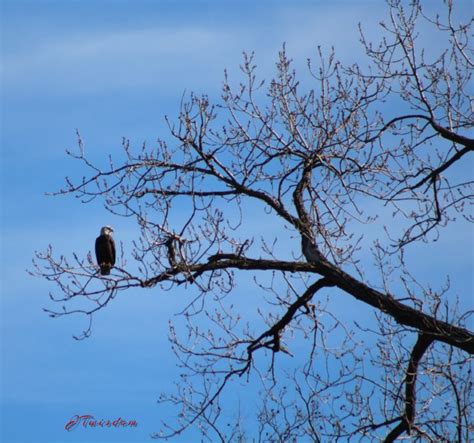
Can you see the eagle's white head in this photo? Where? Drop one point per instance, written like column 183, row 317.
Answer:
column 106, row 230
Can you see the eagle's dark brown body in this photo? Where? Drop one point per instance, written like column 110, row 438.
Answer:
column 105, row 250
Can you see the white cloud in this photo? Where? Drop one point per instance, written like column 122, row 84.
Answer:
column 127, row 59
column 182, row 57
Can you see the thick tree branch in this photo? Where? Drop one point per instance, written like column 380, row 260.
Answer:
column 445, row 165
column 406, row 421
column 402, row 314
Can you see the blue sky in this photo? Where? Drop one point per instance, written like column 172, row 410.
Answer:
column 113, row 69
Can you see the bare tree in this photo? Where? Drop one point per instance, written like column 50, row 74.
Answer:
column 321, row 164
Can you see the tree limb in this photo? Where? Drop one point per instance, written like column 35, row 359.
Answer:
column 407, row 419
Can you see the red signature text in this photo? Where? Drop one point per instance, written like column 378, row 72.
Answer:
column 89, row 421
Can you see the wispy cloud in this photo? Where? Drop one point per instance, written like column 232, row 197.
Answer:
column 109, row 60
column 186, row 56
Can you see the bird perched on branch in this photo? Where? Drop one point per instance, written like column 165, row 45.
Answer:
column 105, row 250
column 310, row 250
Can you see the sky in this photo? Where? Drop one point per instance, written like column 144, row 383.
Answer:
column 114, row 69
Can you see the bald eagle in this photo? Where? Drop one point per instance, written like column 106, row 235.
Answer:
column 105, row 250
